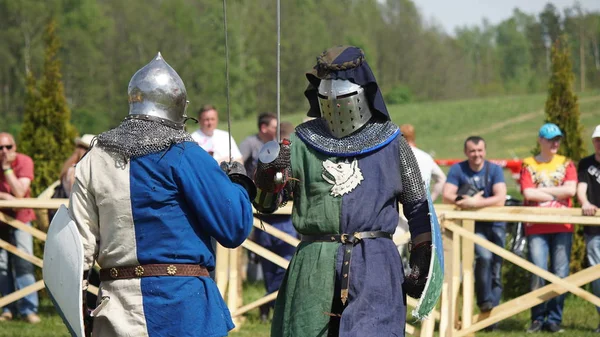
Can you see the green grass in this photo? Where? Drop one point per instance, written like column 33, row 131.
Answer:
column 580, row 319
column 509, row 124
column 51, row 325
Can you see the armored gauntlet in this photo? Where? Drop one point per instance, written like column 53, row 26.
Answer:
column 272, row 173
column 420, row 257
column 237, row 174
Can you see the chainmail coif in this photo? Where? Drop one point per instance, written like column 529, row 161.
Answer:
column 136, row 138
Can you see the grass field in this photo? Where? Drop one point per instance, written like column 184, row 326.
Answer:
column 580, row 319
column 509, row 124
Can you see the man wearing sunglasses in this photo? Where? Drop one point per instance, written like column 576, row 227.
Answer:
column 17, row 174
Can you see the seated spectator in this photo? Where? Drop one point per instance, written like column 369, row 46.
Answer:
column 17, row 174
column 213, row 140
column 477, row 183
column 548, row 180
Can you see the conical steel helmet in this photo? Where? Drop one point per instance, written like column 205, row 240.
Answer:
column 157, row 90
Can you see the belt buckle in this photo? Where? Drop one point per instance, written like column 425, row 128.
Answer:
column 350, row 238
column 344, row 238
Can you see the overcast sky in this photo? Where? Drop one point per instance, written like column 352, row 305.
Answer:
column 455, row 13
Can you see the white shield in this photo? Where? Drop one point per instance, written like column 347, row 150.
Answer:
column 63, row 270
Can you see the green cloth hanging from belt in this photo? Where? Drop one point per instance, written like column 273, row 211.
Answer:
column 312, row 269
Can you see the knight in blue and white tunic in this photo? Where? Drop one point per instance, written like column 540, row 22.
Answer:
column 147, row 194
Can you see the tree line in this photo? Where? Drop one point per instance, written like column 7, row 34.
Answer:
column 103, row 42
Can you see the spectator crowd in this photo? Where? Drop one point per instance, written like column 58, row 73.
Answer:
column 547, row 180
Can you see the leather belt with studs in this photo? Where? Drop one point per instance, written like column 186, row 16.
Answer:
column 349, row 241
column 118, row 273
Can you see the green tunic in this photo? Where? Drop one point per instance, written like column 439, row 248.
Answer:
column 312, row 268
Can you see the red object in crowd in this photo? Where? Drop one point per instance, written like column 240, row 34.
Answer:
column 514, row 165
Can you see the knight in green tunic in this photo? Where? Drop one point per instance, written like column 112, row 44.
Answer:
column 346, row 170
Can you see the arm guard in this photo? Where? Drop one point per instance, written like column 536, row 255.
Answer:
column 272, row 172
column 416, row 210
column 413, row 196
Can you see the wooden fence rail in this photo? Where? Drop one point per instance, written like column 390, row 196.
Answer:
column 458, row 227
column 37, row 204
column 459, row 242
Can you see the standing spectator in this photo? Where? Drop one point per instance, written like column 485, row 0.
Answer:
column 67, row 173
column 67, row 176
column 267, row 131
column 548, row 180
column 213, row 140
column 16, row 273
column 588, row 193
column 272, row 274
column 285, row 130
column 67, row 179
column 429, row 169
column 477, row 183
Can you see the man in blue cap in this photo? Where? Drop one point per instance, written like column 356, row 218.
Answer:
column 548, row 180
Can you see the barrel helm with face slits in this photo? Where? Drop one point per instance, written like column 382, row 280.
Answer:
column 343, row 92
column 344, row 106
column 344, row 98
column 156, row 92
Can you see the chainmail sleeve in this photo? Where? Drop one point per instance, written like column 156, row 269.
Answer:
column 413, row 196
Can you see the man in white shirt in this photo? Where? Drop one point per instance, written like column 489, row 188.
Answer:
column 213, row 140
column 429, row 169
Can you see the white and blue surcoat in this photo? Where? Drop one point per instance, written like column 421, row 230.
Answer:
column 162, row 207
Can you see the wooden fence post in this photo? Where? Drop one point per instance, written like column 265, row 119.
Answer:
column 232, row 293
column 446, row 286
column 428, row 326
column 468, row 251
column 448, row 315
column 222, row 269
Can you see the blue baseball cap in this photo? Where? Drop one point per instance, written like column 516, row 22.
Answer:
column 550, row 130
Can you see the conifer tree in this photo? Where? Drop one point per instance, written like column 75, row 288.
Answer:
column 47, row 135
column 562, row 109
column 562, row 106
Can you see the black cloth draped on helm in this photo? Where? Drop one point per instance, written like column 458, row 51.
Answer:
column 344, row 63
